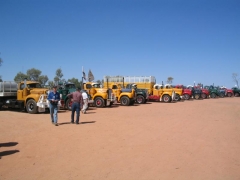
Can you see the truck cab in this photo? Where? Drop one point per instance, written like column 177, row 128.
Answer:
column 162, row 94
column 124, row 96
column 178, row 91
column 215, row 92
column 26, row 95
column 141, row 94
column 228, row 92
column 236, row 91
column 187, row 93
column 102, row 97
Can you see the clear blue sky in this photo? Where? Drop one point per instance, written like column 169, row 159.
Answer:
column 189, row 40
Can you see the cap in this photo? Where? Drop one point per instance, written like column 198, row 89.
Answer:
column 54, row 86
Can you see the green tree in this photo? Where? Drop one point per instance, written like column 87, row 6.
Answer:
column 51, row 84
column 75, row 81
column 235, row 78
column 170, row 80
column 20, row 77
column 99, row 81
column 33, row 74
column 58, row 76
column 43, row 80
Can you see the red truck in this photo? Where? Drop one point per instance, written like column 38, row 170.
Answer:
column 205, row 92
column 228, row 92
column 187, row 93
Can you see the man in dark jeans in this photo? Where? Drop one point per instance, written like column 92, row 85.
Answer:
column 77, row 103
column 54, row 98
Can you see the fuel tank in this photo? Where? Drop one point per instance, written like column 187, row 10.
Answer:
column 8, row 86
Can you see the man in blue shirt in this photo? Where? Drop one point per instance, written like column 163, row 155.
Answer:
column 53, row 98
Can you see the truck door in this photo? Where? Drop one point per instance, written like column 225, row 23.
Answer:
column 20, row 92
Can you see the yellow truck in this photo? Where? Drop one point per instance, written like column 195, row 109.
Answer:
column 25, row 95
column 154, row 91
column 124, row 96
column 140, row 93
column 178, row 91
column 161, row 94
column 102, row 97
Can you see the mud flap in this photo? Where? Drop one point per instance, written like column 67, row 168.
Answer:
column 173, row 96
column 108, row 102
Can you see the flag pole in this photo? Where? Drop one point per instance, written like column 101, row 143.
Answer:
column 82, row 77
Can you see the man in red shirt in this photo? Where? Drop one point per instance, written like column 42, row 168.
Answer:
column 77, row 103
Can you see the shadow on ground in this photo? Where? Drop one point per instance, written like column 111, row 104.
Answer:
column 9, row 152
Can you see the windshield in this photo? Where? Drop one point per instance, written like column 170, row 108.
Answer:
column 70, row 86
column 35, row 85
column 96, row 85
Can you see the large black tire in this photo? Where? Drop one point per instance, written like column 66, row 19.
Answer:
column 31, row 107
column 140, row 99
column 236, row 94
column 177, row 97
column 68, row 105
column 186, row 96
column 229, row 94
column 166, row 98
column 99, row 102
column 203, row 95
column 213, row 95
column 125, row 101
column 222, row 95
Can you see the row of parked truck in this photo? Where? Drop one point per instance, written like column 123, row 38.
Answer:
column 124, row 90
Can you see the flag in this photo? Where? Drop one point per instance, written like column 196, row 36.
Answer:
column 83, row 74
column 90, row 76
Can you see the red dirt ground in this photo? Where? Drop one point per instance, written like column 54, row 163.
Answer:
column 197, row 139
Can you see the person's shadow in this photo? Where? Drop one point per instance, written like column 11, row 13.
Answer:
column 9, row 152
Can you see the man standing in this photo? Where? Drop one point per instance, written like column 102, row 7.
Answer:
column 85, row 102
column 53, row 98
column 77, row 102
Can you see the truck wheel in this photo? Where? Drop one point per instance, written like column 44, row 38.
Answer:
column 222, row 95
column 213, row 95
column 125, row 101
column 68, row 105
column 140, row 99
column 99, row 102
column 177, row 97
column 236, row 94
column 203, row 95
column 166, row 98
column 32, row 107
column 186, row 96
column 197, row 96
column 229, row 94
